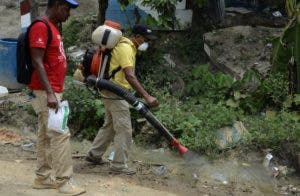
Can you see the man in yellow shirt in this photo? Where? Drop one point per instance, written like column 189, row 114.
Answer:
column 117, row 126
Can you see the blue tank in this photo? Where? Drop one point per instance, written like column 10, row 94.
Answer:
column 125, row 16
column 8, row 64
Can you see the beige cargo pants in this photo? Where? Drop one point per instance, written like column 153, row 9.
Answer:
column 53, row 148
column 116, row 128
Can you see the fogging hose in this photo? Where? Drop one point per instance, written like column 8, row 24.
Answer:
column 139, row 106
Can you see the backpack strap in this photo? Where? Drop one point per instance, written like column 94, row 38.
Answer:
column 113, row 73
column 40, row 19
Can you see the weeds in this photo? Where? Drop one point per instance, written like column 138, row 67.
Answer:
column 86, row 110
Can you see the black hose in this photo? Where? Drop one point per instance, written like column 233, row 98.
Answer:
column 132, row 100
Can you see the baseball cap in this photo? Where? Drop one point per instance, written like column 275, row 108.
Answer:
column 72, row 3
column 144, row 31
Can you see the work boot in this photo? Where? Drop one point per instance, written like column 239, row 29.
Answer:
column 48, row 183
column 123, row 170
column 95, row 160
column 70, row 188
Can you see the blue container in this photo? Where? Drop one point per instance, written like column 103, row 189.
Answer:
column 8, row 64
column 124, row 17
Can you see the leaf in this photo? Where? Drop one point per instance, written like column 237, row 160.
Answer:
column 237, row 95
column 296, row 116
column 271, row 114
column 288, row 102
column 297, row 50
column 280, row 56
column 297, row 99
column 232, row 103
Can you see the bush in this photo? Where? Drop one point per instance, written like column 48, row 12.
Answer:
column 274, row 132
column 78, row 31
column 195, row 122
column 258, row 93
column 86, row 110
column 203, row 83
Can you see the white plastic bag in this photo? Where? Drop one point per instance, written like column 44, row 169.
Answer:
column 58, row 121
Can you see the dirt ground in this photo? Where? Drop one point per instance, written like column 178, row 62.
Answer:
column 159, row 171
column 250, row 48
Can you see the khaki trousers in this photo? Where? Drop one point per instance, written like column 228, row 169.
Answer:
column 117, row 128
column 53, row 148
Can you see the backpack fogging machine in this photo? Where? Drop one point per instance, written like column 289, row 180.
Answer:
column 139, row 106
column 96, row 64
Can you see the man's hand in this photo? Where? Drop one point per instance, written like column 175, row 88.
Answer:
column 151, row 101
column 133, row 81
column 52, row 101
column 37, row 55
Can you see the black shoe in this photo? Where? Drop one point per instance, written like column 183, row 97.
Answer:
column 94, row 160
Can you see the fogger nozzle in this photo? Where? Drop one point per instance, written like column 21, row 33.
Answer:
column 182, row 149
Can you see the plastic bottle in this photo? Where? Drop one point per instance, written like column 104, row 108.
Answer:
column 267, row 160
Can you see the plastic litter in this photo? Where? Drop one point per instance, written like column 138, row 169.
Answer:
column 267, row 160
column 111, row 156
column 160, row 170
column 3, row 91
column 277, row 14
column 28, row 147
column 221, row 178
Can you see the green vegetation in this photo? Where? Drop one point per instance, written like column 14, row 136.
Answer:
column 87, row 111
column 209, row 101
column 77, row 31
column 273, row 132
column 286, row 50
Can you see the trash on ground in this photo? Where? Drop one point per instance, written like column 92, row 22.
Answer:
column 267, row 160
column 29, row 147
column 221, row 178
column 160, row 170
column 246, row 164
column 3, row 91
column 277, row 14
column 111, row 156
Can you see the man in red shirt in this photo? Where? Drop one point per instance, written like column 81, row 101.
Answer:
column 49, row 62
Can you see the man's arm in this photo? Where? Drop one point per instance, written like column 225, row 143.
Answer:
column 37, row 55
column 133, row 81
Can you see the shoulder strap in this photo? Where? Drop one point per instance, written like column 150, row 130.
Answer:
column 106, row 71
column 39, row 19
column 113, row 73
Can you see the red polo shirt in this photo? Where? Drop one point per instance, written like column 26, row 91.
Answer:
column 55, row 63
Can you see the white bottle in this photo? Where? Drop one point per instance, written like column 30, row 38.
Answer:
column 267, row 160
